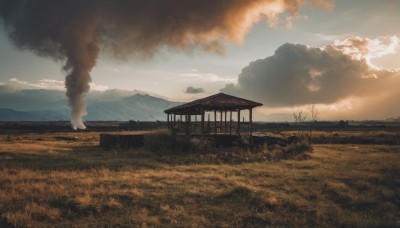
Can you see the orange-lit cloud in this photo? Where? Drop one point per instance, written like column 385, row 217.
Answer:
column 366, row 49
column 339, row 78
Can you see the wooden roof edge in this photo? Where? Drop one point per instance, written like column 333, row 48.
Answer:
column 247, row 100
column 208, row 109
column 196, row 104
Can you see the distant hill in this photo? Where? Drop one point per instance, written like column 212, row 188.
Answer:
column 115, row 104
column 136, row 107
column 394, row 119
column 44, row 115
column 50, row 105
column 32, row 100
column 12, row 115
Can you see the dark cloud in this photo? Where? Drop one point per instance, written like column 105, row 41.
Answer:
column 75, row 31
column 192, row 89
column 299, row 75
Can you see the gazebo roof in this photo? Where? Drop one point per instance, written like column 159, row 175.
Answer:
column 217, row 102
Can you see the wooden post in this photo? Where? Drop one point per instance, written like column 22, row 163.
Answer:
column 189, row 124
column 215, row 121
column 225, row 130
column 194, row 125
column 220, row 122
column 230, row 123
column 238, row 124
column 168, row 122
column 251, row 125
column 208, row 124
column 174, row 121
column 202, row 124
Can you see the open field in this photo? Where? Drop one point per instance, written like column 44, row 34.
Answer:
column 64, row 178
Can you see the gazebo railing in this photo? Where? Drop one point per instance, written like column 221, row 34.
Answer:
column 210, row 128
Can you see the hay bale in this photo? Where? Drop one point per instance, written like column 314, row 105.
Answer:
column 110, row 141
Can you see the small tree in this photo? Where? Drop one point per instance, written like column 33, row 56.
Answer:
column 303, row 143
column 299, row 118
column 314, row 117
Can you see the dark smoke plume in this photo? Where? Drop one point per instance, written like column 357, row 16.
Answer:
column 74, row 31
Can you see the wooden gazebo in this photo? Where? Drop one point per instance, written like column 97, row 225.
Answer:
column 183, row 118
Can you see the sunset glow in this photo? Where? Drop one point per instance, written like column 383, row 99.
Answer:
column 349, row 62
column 199, row 113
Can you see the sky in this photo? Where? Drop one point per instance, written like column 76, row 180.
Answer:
column 253, row 65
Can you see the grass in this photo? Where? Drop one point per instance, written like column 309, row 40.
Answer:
column 372, row 137
column 55, row 179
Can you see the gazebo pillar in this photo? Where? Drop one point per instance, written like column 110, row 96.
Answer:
column 202, row 123
column 225, row 130
column 208, row 124
column 215, row 121
column 251, row 125
column 238, row 123
column 188, row 124
column 220, row 123
column 230, row 123
column 168, row 122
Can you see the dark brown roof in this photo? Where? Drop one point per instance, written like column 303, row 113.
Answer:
column 218, row 101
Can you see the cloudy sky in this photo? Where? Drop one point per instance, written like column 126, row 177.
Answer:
column 340, row 55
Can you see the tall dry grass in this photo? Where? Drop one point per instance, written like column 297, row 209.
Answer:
column 46, row 181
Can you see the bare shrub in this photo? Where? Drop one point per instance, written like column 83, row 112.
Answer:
column 305, row 137
column 296, row 149
column 299, row 147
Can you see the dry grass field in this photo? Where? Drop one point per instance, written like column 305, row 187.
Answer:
column 65, row 179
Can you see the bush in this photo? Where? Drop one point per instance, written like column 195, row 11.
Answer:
column 163, row 142
column 160, row 141
column 184, row 145
column 299, row 147
column 296, row 149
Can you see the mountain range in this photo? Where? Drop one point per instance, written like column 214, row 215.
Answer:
column 18, row 104
column 52, row 105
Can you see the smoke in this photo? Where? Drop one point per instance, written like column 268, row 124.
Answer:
column 63, row 30
column 298, row 75
column 75, row 31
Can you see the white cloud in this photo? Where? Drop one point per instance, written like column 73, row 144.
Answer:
column 333, row 37
column 49, row 84
column 208, row 77
column 367, row 49
column 96, row 87
column 52, row 84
